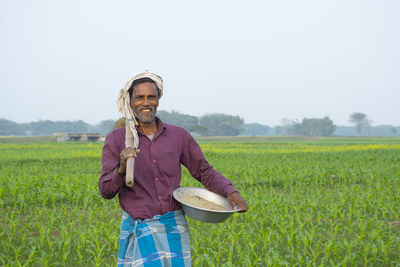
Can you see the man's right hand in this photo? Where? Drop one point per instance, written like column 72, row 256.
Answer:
column 124, row 156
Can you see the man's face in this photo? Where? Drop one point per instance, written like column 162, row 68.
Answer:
column 144, row 101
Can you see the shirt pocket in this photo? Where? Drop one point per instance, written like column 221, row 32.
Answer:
column 169, row 163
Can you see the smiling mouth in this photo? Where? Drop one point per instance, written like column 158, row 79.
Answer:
column 146, row 110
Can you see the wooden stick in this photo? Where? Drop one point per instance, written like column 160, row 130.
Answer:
column 130, row 164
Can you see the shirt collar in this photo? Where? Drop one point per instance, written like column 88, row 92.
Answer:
column 161, row 127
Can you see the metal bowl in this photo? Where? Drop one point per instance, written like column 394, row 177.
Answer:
column 202, row 214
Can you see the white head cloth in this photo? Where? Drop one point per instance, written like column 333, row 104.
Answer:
column 124, row 105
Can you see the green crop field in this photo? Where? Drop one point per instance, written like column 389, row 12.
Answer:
column 313, row 202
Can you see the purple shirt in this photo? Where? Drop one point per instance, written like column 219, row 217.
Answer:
column 157, row 171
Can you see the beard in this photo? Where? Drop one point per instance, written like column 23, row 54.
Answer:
column 145, row 117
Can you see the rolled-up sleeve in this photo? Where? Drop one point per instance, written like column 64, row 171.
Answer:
column 194, row 160
column 110, row 181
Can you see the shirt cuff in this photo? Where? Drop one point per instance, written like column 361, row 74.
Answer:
column 230, row 190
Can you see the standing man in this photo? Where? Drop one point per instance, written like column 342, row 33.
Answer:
column 154, row 230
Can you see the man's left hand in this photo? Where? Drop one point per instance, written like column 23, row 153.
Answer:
column 235, row 199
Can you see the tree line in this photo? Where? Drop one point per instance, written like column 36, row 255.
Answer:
column 308, row 127
column 214, row 124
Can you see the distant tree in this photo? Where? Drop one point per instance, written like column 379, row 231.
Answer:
column 360, row 120
column 8, row 127
column 345, row 131
column 199, row 130
column 48, row 127
column 45, row 127
column 316, row 127
column 255, row 129
column 219, row 124
column 78, row 126
column 289, row 127
column 309, row 127
column 278, row 130
column 179, row 119
column 104, row 127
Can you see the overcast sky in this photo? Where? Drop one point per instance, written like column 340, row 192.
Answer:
column 262, row 60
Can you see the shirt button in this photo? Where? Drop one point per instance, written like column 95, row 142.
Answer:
column 154, row 161
column 159, row 197
column 156, row 179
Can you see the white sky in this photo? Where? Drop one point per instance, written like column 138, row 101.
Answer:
column 261, row 60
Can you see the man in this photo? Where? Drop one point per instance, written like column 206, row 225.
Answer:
column 154, row 230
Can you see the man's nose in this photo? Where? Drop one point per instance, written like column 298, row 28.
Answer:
column 146, row 101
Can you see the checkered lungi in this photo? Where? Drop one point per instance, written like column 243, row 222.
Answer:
column 160, row 241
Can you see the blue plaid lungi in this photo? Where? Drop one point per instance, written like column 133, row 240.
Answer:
column 160, row 241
